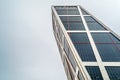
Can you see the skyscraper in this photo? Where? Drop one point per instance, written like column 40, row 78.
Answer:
column 88, row 48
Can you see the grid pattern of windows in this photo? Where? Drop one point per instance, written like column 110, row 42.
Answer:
column 72, row 22
column 108, row 46
column 82, row 45
column 113, row 72
column 94, row 72
column 93, row 24
column 105, row 44
column 67, row 10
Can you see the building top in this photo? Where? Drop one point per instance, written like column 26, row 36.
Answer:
column 94, row 47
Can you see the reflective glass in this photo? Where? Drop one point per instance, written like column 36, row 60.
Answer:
column 72, row 22
column 67, row 10
column 84, row 12
column 104, row 38
column 93, row 24
column 70, row 18
column 79, row 37
column 85, row 52
column 118, row 45
column 94, row 72
column 89, row 19
column 113, row 72
column 74, row 26
column 109, row 52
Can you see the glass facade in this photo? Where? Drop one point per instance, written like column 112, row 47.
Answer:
column 72, row 22
column 67, row 10
column 82, row 45
column 86, row 46
column 107, row 46
column 113, row 72
column 93, row 24
column 94, row 72
column 84, row 12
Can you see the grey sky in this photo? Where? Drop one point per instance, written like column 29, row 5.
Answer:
column 28, row 49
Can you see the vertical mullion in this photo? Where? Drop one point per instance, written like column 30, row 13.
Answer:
column 96, row 53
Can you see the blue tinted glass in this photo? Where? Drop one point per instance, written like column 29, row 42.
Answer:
column 74, row 26
column 93, row 24
column 94, row 72
column 109, row 52
column 104, row 38
column 67, row 10
column 70, row 18
column 85, row 52
column 118, row 45
column 113, row 72
column 84, row 12
column 72, row 22
column 89, row 19
column 79, row 37
column 114, row 39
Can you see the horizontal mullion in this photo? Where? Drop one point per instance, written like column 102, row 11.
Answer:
column 69, row 15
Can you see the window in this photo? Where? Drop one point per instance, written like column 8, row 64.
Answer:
column 94, row 72
column 84, row 12
column 65, row 10
column 93, row 24
column 71, row 18
column 85, row 52
column 79, row 37
column 109, row 52
column 72, row 22
column 82, row 45
column 108, row 46
column 74, row 26
column 113, row 72
column 105, row 38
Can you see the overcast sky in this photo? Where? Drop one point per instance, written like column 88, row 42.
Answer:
column 28, row 50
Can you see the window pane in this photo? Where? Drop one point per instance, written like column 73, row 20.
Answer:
column 89, row 19
column 70, row 18
column 72, row 22
column 79, row 37
column 104, row 38
column 94, row 72
column 74, row 26
column 113, row 72
column 84, row 12
column 67, row 10
column 109, row 52
column 93, row 24
column 118, row 45
column 85, row 52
